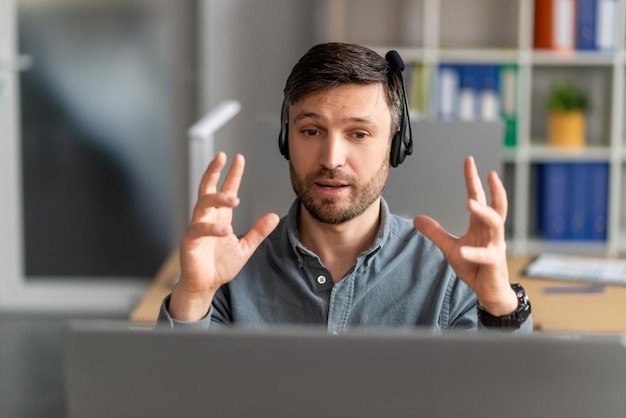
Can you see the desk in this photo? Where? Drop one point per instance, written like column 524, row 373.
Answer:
column 147, row 311
column 603, row 312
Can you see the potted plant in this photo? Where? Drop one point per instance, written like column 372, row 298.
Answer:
column 566, row 120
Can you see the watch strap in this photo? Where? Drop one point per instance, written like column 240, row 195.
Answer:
column 513, row 320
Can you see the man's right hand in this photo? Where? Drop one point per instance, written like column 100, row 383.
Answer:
column 210, row 253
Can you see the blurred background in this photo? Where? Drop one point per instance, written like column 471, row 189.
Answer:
column 95, row 101
column 96, row 97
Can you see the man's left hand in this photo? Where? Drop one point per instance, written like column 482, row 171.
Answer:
column 479, row 256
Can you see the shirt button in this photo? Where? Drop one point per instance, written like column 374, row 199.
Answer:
column 321, row 279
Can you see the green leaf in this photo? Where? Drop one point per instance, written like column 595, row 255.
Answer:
column 564, row 97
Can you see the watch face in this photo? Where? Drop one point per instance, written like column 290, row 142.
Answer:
column 522, row 297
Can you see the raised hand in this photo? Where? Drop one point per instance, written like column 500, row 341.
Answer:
column 210, row 253
column 479, row 256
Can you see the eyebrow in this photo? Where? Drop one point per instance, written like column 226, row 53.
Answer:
column 359, row 119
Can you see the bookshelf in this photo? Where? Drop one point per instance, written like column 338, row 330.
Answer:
column 430, row 32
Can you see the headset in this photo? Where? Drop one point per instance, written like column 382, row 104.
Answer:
column 402, row 142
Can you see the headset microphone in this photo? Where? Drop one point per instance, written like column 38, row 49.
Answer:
column 402, row 142
column 394, row 60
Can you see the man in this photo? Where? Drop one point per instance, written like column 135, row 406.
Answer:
column 340, row 258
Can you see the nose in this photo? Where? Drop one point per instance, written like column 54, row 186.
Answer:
column 333, row 151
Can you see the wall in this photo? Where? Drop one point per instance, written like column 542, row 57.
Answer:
column 247, row 49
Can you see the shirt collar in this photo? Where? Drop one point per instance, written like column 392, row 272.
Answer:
column 299, row 249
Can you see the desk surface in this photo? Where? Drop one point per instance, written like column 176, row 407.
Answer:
column 557, row 305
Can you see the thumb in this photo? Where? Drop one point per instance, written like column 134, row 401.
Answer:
column 433, row 231
column 259, row 231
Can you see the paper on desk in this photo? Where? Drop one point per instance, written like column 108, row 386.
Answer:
column 554, row 266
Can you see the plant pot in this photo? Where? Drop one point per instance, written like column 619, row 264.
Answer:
column 566, row 129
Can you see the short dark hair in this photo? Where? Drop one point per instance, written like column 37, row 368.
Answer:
column 330, row 65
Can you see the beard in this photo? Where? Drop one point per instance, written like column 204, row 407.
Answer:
column 332, row 210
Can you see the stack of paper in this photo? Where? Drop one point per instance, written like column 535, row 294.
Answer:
column 555, row 266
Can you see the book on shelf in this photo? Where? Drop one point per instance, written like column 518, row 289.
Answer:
column 485, row 92
column 468, row 92
column 417, row 82
column 508, row 100
column 585, row 25
column 596, row 25
column 553, row 201
column 447, row 91
column 606, row 25
column 555, row 25
column 598, row 201
column 489, row 97
column 573, row 200
column 578, row 188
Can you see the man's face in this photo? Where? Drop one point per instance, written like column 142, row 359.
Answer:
column 339, row 144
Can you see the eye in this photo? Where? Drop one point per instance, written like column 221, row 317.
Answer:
column 310, row 132
column 360, row 135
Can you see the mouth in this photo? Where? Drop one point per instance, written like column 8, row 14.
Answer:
column 329, row 184
column 331, row 188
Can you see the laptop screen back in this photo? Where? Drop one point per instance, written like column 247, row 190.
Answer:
column 113, row 371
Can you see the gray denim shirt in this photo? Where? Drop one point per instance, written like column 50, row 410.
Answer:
column 402, row 280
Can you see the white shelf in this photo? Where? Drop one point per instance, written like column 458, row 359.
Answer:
column 543, row 153
column 409, row 54
column 497, row 32
column 572, row 58
column 538, row 246
column 480, row 55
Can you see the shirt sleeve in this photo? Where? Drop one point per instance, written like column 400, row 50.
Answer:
column 166, row 321
column 460, row 301
column 463, row 311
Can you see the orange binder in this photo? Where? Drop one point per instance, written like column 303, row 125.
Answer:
column 555, row 25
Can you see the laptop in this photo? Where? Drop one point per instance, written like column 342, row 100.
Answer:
column 429, row 182
column 114, row 371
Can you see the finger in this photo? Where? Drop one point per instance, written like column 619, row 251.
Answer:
column 479, row 255
column 435, row 232
column 207, row 203
column 472, row 181
column 211, row 176
column 499, row 199
column 234, row 176
column 205, row 229
column 259, row 231
column 492, row 221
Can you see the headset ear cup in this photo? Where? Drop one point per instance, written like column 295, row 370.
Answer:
column 283, row 141
column 397, row 150
column 402, row 142
column 283, row 135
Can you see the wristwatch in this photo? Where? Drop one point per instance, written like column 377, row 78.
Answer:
column 511, row 321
